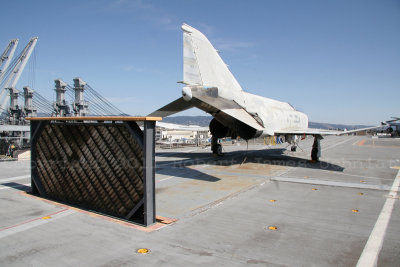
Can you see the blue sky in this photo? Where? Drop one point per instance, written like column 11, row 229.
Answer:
column 337, row 61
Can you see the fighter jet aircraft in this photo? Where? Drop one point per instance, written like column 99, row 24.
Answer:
column 390, row 124
column 211, row 87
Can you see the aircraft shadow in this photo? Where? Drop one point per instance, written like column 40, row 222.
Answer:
column 17, row 186
column 280, row 157
column 186, row 172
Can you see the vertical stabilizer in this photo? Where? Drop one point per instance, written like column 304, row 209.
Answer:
column 191, row 72
column 202, row 64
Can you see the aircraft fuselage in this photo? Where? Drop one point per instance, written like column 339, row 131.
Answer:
column 271, row 115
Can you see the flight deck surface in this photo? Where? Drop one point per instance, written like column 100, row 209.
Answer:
column 262, row 206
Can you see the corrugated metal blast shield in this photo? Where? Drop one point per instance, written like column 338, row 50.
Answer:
column 106, row 167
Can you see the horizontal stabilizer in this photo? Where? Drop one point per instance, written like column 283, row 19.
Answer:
column 174, row 107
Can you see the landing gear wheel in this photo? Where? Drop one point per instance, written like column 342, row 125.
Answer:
column 219, row 150
column 316, row 149
column 216, row 147
column 314, row 155
column 293, row 148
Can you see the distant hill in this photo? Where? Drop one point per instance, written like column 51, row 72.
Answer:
column 328, row 126
column 205, row 121
column 202, row 121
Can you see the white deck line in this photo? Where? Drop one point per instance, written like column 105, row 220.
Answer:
column 33, row 223
column 369, row 256
column 14, row 178
column 331, row 183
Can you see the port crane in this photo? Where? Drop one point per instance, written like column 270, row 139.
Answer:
column 10, row 75
column 6, row 57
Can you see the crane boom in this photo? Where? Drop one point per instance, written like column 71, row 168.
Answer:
column 19, row 67
column 14, row 76
column 7, row 56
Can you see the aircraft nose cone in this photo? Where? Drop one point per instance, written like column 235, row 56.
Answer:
column 187, row 93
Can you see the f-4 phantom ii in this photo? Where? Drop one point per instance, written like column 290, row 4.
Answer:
column 211, row 87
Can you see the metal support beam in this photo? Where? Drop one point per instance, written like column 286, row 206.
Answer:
column 36, row 184
column 132, row 212
column 149, row 173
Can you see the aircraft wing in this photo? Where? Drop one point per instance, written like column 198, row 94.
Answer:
column 312, row 131
column 358, row 130
column 308, row 131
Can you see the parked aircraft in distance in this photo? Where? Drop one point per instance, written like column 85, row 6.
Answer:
column 394, row 123
column 211, row 87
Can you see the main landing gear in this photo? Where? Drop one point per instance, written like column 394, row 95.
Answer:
column 216, row 148
column 316, row 148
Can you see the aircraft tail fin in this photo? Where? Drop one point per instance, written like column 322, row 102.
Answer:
column 202, row 64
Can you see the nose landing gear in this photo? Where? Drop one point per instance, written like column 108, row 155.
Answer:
column 216, row 147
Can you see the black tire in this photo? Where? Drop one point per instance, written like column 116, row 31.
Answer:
column 314, row 154
column 219, row 149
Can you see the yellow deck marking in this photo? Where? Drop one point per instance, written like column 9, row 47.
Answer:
column 143, row 250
